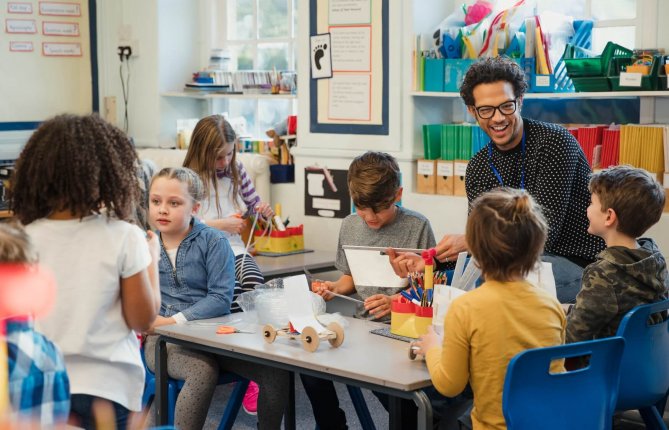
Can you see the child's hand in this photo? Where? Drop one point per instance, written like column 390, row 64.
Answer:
column 265, row 210
column 427, row 341
column 378, row 305
column 160, row 321
column 154, row 245
column 322, row 287
column 405, row 262
column 233, row 224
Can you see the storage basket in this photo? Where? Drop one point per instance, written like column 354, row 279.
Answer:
column 578, row 65
column 648, row 82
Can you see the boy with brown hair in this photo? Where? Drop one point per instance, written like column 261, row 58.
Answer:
column 374, row 186
column 625, row 202
column 39, row 389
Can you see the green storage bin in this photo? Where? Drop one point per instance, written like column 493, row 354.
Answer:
column 591, row 84
column 580, row 66
column 648, row 82
column 662, row 74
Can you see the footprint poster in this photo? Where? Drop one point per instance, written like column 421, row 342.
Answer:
column 321, row 59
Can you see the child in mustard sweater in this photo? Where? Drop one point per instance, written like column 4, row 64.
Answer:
column 488, row 326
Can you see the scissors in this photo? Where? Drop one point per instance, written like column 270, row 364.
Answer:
column 228, row 329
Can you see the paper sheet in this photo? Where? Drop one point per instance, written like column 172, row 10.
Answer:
column 371, row 268
column 298, row 303
column 542, row 277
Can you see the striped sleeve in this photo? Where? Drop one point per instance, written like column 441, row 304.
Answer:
column 247, row 190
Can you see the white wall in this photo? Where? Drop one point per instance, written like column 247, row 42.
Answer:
column 171, row 42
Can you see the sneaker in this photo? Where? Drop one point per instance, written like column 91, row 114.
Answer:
column 250, row 402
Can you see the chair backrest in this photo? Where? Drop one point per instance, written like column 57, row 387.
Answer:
column 644, row 378
column 581, row 399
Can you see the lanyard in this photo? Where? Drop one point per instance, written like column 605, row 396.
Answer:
column 522, row 163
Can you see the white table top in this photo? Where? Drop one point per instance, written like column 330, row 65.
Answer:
column 363, row 356
column 273, row 267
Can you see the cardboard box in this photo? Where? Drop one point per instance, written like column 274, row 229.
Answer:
column 426, row 178
column 445, row 177
column 459, row 170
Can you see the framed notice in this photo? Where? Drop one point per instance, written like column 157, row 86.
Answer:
column 354, row 99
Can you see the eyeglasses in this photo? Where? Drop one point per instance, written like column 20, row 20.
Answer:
column 487, row 112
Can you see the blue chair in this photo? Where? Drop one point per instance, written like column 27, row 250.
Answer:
column 580, row 399
column 174, row 386
column 644, row 380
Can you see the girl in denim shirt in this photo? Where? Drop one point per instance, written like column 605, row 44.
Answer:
column 197, row 278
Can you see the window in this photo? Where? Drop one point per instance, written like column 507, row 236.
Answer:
column 614, row 20
column 259, row 35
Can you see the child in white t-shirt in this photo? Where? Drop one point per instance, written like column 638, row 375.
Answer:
column 74, row 186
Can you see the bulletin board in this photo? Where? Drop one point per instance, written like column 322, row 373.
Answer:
column 48, row 61
column 354, row 100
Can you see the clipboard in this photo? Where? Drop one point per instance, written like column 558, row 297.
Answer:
column 370, row 266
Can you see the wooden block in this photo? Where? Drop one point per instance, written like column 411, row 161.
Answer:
column 445, row 178
column 426, row 179
column 459, row 170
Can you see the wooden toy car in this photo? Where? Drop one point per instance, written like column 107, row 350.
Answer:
column 309, row 337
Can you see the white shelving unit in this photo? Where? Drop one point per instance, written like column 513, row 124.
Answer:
column 205, row 96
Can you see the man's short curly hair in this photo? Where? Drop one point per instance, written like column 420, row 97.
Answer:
column 489, row 70
column 81, row 164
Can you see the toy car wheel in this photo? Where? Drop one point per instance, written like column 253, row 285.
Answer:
column 310, row 339
column 339, row 334
column 269, row 333
column 412, row 353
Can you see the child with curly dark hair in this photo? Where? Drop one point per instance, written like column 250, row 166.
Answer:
column 74, row 188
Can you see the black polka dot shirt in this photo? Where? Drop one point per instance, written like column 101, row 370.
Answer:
column 556, row 175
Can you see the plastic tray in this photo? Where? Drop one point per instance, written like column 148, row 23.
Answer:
column 648, row 82
column 579, row 66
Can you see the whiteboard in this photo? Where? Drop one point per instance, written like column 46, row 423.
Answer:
column 45, row 61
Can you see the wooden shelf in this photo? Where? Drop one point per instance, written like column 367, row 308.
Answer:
column 589, row 95
column 205, row 96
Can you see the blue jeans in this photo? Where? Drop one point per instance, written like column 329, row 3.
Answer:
column 81, row 409
column 567, row 277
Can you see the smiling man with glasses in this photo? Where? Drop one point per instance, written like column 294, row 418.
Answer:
column 542, row 158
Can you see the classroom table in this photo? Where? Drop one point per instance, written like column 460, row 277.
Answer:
column 364, row 359
column 294, row 264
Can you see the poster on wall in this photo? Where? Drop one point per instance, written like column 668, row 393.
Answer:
column 354, row 98
column 326, row 193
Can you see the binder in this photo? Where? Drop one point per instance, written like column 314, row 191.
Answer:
column 432, row 137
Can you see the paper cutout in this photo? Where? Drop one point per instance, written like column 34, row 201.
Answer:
column 298, row 303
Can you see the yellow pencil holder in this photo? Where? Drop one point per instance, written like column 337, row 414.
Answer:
column 409, row 320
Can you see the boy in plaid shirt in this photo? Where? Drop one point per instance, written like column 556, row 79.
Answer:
column 39, row 389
